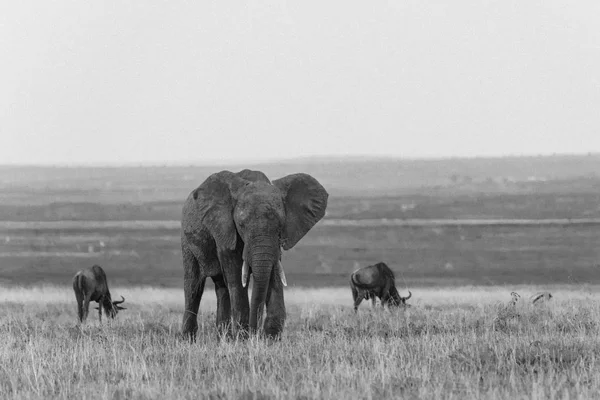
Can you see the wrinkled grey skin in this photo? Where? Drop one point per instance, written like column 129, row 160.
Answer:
column 376, row 281
column 90, row 285
column 233, row 217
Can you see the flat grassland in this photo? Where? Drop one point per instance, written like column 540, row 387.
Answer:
column 459, row 340
column 420, row 256
column 126, row 219
column 455, row 343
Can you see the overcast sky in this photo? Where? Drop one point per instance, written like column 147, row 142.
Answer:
column 197, row 81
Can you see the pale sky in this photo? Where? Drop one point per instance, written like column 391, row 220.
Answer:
column 144, row 81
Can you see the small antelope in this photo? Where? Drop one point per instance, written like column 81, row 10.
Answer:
column 90, row 284
column 515, row 297
column 537, row 298
column 541, row 297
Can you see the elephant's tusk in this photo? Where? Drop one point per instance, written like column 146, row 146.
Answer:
column 244, row 274
column 281, row 273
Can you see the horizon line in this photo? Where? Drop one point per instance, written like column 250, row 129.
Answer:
column 254, row 162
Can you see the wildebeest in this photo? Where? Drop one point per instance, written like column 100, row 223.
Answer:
column 90, row 284
column 376, row 281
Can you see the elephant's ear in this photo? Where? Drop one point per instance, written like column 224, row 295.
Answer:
column 214, row 202
column 305, row 202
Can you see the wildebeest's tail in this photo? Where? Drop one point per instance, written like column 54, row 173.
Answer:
column 78, row 283
column 79, row 289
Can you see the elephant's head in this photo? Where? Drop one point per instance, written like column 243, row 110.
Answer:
column 265, row 216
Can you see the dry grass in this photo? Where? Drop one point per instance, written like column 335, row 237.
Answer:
column 453, row 343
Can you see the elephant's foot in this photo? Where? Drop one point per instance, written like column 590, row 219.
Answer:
column 241, row 334
column 189, row 335
column 273, row 327
column 232, row 330
column 223, row 330
column 189, row 328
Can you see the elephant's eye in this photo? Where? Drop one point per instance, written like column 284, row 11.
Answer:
column 274, row 217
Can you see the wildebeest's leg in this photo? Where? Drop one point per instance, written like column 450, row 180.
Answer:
column 358, row 298
column 373, row 300
column 385, row 300
column 223, row 304
column 354, row 295
column 193, row 287
column 79, row 297
column 86, row 307
column 100, row 304
column 80, row 310
column 385, row 296
column 395, row 298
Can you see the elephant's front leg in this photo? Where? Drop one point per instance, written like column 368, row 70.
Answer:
column 223, row 304
column 231, row 265
column 275, row 319
column 193, row 287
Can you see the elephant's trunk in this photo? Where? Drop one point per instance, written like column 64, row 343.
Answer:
column 263, row 259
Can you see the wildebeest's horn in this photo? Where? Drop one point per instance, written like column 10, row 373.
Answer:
column 119, row 302
column 409, row 296
column 281, row 273
column 245, row 271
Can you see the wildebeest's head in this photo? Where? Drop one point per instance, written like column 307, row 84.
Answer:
column 111, row 308
column 401, row 301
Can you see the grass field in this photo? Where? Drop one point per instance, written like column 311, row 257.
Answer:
column 460, row 342
column 457, row 341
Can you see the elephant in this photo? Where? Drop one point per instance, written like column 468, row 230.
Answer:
column 234, row 225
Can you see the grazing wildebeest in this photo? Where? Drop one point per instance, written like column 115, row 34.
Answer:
column 90, row 284
column 376, row 281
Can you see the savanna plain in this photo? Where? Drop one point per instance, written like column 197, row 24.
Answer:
column 453, row 343
column 461, row 337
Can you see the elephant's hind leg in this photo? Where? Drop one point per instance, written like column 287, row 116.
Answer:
column 193, row 288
